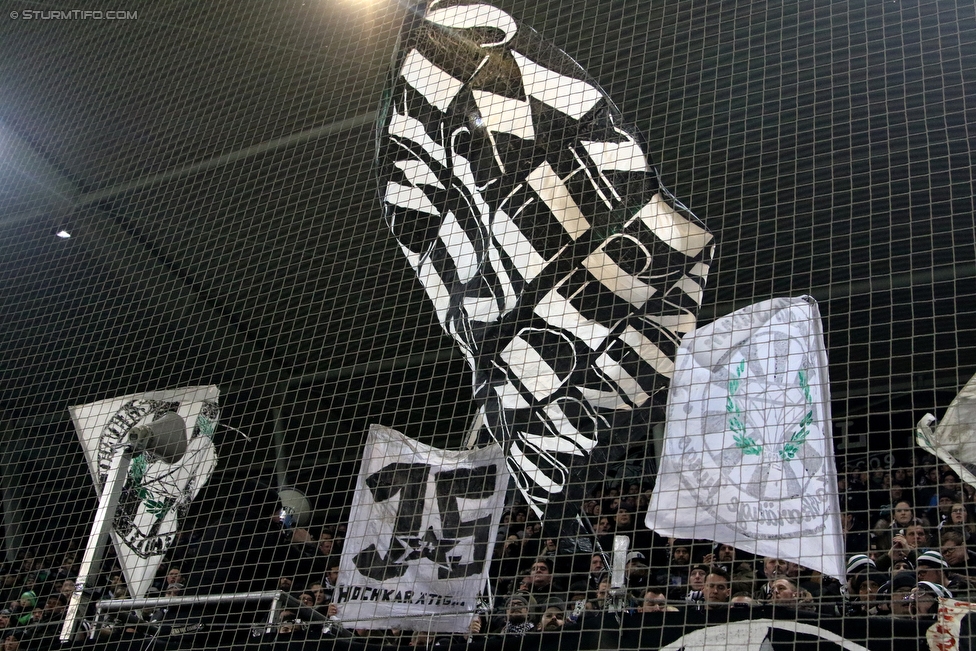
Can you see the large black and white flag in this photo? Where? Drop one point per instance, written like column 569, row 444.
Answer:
column 421, row 531
column 156, row 494
column 748, row 456
column 551, row 253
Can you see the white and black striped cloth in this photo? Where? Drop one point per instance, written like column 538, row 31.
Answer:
column 551, row 253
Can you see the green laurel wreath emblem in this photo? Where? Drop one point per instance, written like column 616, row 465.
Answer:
column 737, row 422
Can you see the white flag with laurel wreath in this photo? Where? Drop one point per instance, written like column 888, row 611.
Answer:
column 157, row 494
column 748, row 459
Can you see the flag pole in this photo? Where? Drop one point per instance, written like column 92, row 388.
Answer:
column 91, row 563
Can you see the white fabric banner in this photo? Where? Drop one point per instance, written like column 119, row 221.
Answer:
column 956, row 623
column 156, row 494
column 954, row 438
column 421, row 531
column 748, row 457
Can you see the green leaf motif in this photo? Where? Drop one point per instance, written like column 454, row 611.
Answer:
column 747, row 445
column 805, row 385
column 153, row 506
column 206, row 426
column 137, row 469
column 736, row 422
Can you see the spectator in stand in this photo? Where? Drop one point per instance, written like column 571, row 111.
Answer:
column 655, row 600
column 12, row 640
column 604, row 532
column 783, row 592
column 506, row 521
column 941, row 513
column 289, row 630
column 961, row 516
column 864, row 590
column 956, row 552
column 950, row 485
column 896, row 494
column 968, row 494
column 924, row 604
column 776, row 568
column 68, row 568
column 46, row 626
column 629, row 502
column 67, row 588
column 518, row 619
column 876, row 478
column 899, row 475
column 553, row 618
column 696, row 584
column 326, row 545
column 717, row 589
column 597, row 572
column 857, row 564
column 330, row 581
column 636, row 572
column 313, row 551
column 550, row 547
column 623, row 522
column 26, row 605
column 676, row 573
column 905, row 545
column 723, row 557
column 916, row 535
column 173, row 575
column 285, row 583
column 931, row 566
column 900, row 588
column 317, row 591
column 599, row 603
column 902, row 566
column 902, row 515
column 55, row 606
column 540, row 581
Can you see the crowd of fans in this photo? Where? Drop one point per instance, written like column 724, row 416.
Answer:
column 909, row 540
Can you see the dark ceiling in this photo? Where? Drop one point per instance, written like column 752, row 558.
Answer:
column 212, row 162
